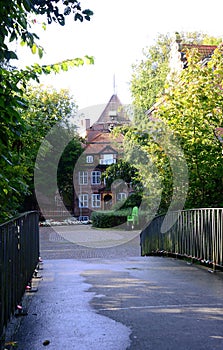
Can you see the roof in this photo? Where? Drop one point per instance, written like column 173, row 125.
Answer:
column 204, row 50
column 103, row 141
column 113, row 113
column 99, row 148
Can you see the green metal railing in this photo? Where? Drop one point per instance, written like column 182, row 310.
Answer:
column 195, row 234
column 19, row 256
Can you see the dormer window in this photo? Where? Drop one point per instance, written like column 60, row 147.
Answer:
column 107, row 159
column 113, row 114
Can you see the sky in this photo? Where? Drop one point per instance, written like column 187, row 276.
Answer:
column 116, row 36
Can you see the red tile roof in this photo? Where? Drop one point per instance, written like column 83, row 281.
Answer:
column 100, row 142
column 204, row 50
column 113, row 115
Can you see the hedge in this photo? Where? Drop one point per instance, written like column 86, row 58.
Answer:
column 107, row 219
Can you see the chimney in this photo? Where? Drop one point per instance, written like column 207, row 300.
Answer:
column 87, row 124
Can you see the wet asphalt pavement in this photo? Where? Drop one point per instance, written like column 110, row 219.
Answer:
column 101, row 294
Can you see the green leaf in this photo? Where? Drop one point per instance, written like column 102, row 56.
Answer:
column 27, row 4
column 61, row 20
column 44, row 26
column 56, row 68
column 6, row 159
column 79, row 17
column 22, row 43
column 13, row 36
column 10, row 55
column 67, row 11
column 89, row 59
column 64, row 66
column 34, row 49
column 40, row 52
column 88, row 12
column 47, row 69
column 22, row 104
column 78, row 61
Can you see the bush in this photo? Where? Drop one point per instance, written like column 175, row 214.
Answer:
column 106, row 219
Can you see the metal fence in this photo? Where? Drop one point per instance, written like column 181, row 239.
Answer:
column 19, row 256
column 196, row 234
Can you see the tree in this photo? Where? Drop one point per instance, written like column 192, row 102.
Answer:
column 193, row 108
column 190, row 106
column 146, row 148
column 149, row 75
column 66, row 170
column 16, row 24
column 47, row 108
column 121, row 175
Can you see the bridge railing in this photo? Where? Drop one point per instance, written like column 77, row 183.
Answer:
column 19, row 256
column 195, row 234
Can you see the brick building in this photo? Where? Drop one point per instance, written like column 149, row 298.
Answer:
column 101, row 150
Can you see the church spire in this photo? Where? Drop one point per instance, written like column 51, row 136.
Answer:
column 114, row 84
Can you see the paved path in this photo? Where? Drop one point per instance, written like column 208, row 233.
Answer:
column 83, row 241
column 117, row 302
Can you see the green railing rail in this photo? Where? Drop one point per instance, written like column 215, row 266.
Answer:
column 195, row 234
column 19, row 256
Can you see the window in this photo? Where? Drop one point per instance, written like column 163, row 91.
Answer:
column 89, row 159
column 96, row 200
column 95, row 177
column 121, row 196
column 107, row 159
column 83, row 201
column 83, row 178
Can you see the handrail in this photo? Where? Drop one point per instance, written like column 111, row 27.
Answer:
column 195, row 234
column 19, row 256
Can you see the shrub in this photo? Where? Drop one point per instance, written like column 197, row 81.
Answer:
column 106, row 219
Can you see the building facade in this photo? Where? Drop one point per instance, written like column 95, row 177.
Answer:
column 101, row 150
